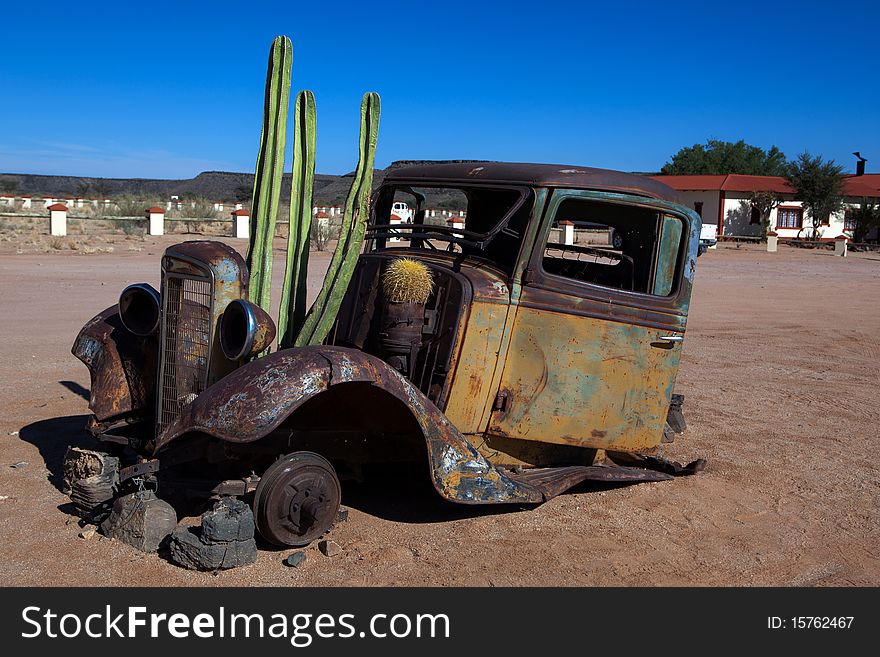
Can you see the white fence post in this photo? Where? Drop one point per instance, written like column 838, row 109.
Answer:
column 772, row 242
column 840, row 245
column 57, row 219
column 242, row 224
column 567, row 232
column 26, row 202
column 395, row 220
column 456, row 222
column 157, row 220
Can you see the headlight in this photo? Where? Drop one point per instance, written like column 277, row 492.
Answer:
column 245, row 330
column 139, row 309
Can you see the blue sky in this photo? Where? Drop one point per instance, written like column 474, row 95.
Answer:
column 169, row 89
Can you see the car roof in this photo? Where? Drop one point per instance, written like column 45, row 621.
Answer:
column 535, row 175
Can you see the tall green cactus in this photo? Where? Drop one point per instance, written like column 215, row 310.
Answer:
column 293, row 295
column 323, row 312
column 270, row 169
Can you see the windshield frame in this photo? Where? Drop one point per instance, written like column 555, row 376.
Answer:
column 377, row 234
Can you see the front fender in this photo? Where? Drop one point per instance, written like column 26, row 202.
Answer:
column 122, row 366
column 252, row 401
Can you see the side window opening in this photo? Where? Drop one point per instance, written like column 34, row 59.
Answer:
column 616, row 246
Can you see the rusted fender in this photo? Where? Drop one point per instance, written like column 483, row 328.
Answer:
column 249, row 403
column 122, row 366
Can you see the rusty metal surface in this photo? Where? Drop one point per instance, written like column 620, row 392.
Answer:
column 225, row 261
column 586, row 382
column 553, row 481
column 538, row 175
column 658, row 463
column 199, row 279
column 139, row 470
column 255, row 399
column 122, row 366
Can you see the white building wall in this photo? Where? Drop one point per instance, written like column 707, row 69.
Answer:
column 832, row 230
column 738, row 215
column 709, row 199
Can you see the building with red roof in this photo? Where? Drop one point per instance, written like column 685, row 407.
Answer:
column 724, row 202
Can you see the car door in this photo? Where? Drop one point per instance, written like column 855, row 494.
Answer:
column 596, row 339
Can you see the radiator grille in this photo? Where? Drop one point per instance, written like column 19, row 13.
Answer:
column 186, row 343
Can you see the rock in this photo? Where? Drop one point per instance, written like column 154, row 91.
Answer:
column 190, row 551
column 140, row 519
column 88, row 533
column 13, row 433
column 329, row 548
column 229, row 520
column 295, row 559
column 224, row 540
column 342, row 514
column 20, row 464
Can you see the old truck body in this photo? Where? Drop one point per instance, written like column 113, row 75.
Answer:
column 543, row 357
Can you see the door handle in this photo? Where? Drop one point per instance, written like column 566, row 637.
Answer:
column 667, row 341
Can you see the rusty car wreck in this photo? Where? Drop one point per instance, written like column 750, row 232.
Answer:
column 536, row 363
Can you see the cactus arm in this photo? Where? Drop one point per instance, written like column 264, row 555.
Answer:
column 323, row 312
column 293, row 295
column 269, row 172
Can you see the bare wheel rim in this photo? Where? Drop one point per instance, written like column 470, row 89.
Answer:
column 297, row 499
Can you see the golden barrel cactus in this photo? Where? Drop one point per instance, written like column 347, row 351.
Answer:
column 407, row 281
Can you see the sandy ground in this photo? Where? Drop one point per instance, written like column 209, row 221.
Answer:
column 780, row 372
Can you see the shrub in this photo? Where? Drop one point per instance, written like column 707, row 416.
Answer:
column 201, row 209
column 321, row 233
column 133, row 227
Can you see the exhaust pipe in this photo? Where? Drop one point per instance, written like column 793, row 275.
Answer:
column 139, row 309
column 245, row 330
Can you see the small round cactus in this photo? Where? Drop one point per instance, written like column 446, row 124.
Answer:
column 407, row 281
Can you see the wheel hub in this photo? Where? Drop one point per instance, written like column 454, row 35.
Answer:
column 297, row 499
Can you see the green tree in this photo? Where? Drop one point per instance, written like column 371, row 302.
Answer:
column 865, row 217
column 723, row 157
column 819, row 185
column 763, row 203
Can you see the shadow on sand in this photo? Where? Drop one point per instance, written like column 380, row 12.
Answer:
column 76, row 389
column 400, row 493
column 53, row 436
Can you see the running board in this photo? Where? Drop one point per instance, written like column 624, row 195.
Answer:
column 553, row 481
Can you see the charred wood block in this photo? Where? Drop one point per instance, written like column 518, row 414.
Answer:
column 140, row 519
column 90, row 480
column 229, row 520
column 190, row 551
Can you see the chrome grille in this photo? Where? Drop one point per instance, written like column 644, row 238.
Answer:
column 186, row 344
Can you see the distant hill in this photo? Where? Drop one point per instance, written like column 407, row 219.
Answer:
column 213, row 185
